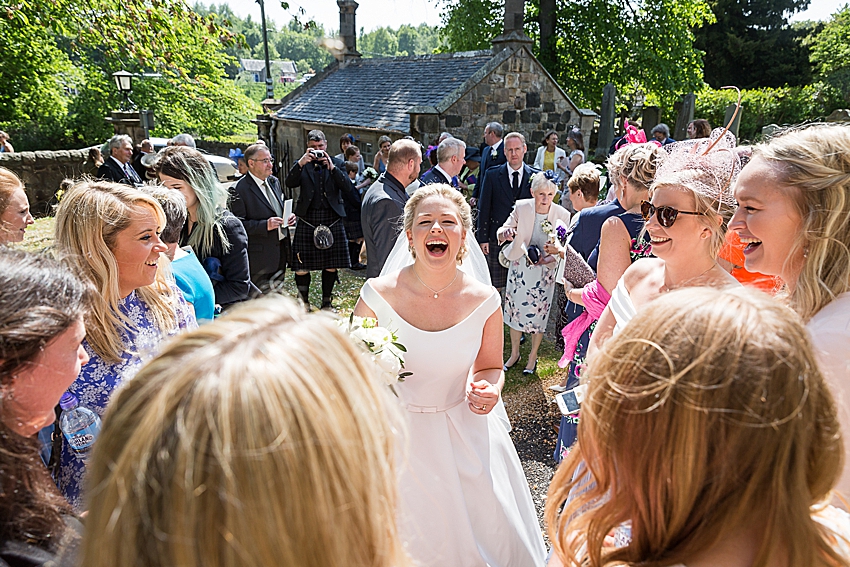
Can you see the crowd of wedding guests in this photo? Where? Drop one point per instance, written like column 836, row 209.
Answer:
column 714, row 426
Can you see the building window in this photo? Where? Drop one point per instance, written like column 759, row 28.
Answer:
column 256, row 77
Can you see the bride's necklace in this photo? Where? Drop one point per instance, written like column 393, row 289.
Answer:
column 436, row 292
column 665, row 287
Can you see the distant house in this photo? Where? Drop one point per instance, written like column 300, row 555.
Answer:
column 421, row 96
column 255, row 70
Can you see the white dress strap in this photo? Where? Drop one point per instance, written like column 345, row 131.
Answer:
column 621, row 306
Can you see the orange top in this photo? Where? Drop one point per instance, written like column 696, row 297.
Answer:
column 733, row 252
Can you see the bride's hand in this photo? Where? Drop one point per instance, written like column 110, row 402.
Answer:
column 482, row 396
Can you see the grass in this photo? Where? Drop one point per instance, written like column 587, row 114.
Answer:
column 39, row 237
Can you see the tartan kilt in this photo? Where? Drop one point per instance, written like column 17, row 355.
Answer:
column 305, row 256
column 498, row 274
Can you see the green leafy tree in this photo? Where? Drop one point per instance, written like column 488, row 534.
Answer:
column 751, row 44
column 80, row 44
column 830, row 52
column 642, row 46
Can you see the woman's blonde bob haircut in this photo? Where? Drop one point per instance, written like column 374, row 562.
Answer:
column 446, row 192
column 264, row 438
column 704, row 417
column 814, row 164
column 88, row 220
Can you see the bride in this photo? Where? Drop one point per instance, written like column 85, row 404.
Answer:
column 464, row 497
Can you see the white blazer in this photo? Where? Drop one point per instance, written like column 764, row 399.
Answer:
column 522, row 219
column 538, row 161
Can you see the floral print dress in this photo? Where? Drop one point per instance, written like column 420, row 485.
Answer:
column 528, row 294
column 640, row 248
column 98, row 379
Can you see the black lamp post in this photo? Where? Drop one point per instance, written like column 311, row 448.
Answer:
column 124, row 82
column 269, row 85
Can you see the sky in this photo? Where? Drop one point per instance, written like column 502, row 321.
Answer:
column 372, row 14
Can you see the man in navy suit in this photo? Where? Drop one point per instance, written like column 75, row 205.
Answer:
column 494, row 154
column 257, row 200
column 503, row 185
column 451, row 155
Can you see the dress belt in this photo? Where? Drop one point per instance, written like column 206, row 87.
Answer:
column 413, row 408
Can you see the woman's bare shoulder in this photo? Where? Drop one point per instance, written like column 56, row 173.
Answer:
column 474, row 289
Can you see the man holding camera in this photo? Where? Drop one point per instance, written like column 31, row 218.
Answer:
column 320, row 242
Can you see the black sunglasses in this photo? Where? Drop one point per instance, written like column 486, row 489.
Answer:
column 666, row 215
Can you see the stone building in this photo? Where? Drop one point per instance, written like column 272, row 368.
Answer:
column 421, row 96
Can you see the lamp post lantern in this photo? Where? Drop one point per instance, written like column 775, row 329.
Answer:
column 124, row 83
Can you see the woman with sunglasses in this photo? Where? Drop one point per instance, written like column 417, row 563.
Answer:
column 686, row 221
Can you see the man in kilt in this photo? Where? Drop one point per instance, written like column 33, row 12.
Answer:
column 320, row 242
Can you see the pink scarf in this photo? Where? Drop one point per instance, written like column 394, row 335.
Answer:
column 595, row 299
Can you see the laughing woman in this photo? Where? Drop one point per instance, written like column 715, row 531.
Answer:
column 15, row 214
column 109, row 235
column 686, row 221
column 794, row 216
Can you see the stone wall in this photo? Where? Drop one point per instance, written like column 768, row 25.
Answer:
column 519, row 94
column 219, row 148
column 42, row 172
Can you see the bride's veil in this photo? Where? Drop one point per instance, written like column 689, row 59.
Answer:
column 474, row 263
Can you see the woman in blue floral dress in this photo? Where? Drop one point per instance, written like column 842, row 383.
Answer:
column 528, row 294
column 109, row 234
column 621, row 242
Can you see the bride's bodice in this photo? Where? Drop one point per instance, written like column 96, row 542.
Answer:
column 439, row 360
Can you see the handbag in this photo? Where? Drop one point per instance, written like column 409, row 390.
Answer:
column 323, row 238
column 576, row 270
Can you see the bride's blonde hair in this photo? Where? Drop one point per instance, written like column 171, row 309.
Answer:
column 263, row 438
column 446, row 192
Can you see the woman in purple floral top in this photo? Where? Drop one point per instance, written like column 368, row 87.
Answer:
column 109, row 234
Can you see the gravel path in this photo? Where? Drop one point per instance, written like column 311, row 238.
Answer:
column 534, row 422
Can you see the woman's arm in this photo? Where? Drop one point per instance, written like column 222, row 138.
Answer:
column 375, row 162
column 614, row 258
column 576, row 161
column 487, row 375
column 363, row 310
column 507, row 231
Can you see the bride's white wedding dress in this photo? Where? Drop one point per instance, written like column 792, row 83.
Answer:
column 464, row 498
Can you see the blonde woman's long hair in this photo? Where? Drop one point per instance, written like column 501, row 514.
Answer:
column 88, row 220
column 815, row 161
column 705, row 416
column 264, row 438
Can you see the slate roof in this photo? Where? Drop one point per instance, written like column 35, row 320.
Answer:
column 377, row 93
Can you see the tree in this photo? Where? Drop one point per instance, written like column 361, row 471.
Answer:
column 752, row 45
column 642, row 46
column 407, row 40
column 830, row 52
column 80, row 44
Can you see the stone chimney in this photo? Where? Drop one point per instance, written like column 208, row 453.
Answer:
column 347, row 31
column 513, row 34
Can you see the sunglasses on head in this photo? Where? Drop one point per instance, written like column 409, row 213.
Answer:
column 666, row 215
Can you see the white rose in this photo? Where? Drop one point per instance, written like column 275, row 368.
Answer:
column 377, row 336
column 390, row 364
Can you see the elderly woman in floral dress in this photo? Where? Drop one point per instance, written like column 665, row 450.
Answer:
column 531, row 276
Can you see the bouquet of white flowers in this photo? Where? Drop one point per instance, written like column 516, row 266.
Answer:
column 382, row 344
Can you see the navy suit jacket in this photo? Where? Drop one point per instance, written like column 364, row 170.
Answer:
column 497, row 199
column 251, row 206
column 434, row 175
column 588, row 228
column 111, row 171
column 487, row 162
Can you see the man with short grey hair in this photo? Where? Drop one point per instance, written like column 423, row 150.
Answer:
column 183, row 140
column 117, row 166
column 450, row 159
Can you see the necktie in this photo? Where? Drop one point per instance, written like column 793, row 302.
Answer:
column 272, row 198
column 130, row 173
column 515, row 185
